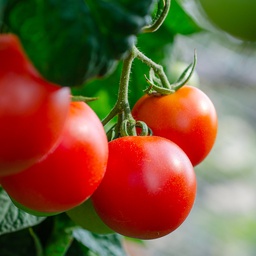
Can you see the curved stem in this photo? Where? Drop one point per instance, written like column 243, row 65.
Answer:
column 187, row 73
column 83, row 98
column 126, row 124
column 158, row 69
column 110, row 116
column 122, row 106
column 159, row 21
column 122, row 100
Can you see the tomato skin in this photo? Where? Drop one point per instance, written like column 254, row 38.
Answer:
column 149, row 187
column 85, row 216
column 186, row 117
column 32, row 110
column 68, row 175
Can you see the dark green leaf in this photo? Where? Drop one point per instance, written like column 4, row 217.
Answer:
column 179, row 22
column 18, row 243
column 13, row 219
column 2, row 8
column 72, row 41
column 102, row 245
column 61, row 236
column 96, row 88
column 37, row 243
column 77, row 249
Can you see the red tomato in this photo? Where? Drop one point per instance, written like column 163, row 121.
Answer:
column 186, row 117
column 149, row 187
column 32, row 110
column 68, row 175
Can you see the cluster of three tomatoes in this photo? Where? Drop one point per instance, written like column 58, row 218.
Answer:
column 55, row 157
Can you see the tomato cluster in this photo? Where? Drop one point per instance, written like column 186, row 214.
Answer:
column 150, row 185
column 53, row 152
column 55, row 157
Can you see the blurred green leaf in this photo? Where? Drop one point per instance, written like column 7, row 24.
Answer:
column 61, row 236
column 102, row 245
column 72, row 41
column 179, row 22
column 78, row 249
column 19, row 243
column 37, row 243
column 11, row 218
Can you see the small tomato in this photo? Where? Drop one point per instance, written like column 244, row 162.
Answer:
column 186, row 117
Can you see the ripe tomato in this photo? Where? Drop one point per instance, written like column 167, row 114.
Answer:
column 149, row 187
column 236, row 17
column 186, row 117
column 68, row 175
column 85, row 216
column 32, row 110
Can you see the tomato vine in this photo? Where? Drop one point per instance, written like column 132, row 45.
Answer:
column 78, row 162
column 126, row 125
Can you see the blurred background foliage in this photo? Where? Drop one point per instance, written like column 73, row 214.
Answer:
column 223, row 220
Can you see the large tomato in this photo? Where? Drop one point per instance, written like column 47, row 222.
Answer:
column 68, row 175
column 186, row 117
column 149, row 187
column 236, row 17
column 32, row 110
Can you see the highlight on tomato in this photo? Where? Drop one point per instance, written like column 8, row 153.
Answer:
column 149, row 187
column 68, row 175
column 32, row 110
column 187, row 117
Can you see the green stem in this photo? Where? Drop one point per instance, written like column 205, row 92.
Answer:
column 122, row 106
column 75, row 98
column 122, row 100
column 126, row 125
column 158, row 69
column 159, row 21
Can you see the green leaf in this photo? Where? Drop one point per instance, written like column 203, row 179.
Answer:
column 37, row 243
column 2, row 7
column 179, row 22
column 73, row 41
column 18, row 243
column 61, row 236
column 78, row 249
column 13, row 219
column 102, row 245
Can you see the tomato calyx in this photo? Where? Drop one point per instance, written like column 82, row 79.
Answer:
column 162, row 12
column 157, row 79
column 76, row 98
column 159, row 85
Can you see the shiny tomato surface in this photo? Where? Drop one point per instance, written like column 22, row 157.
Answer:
column 70, row 174
column 186, row 117
column 32, row 110
column 149, row 187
